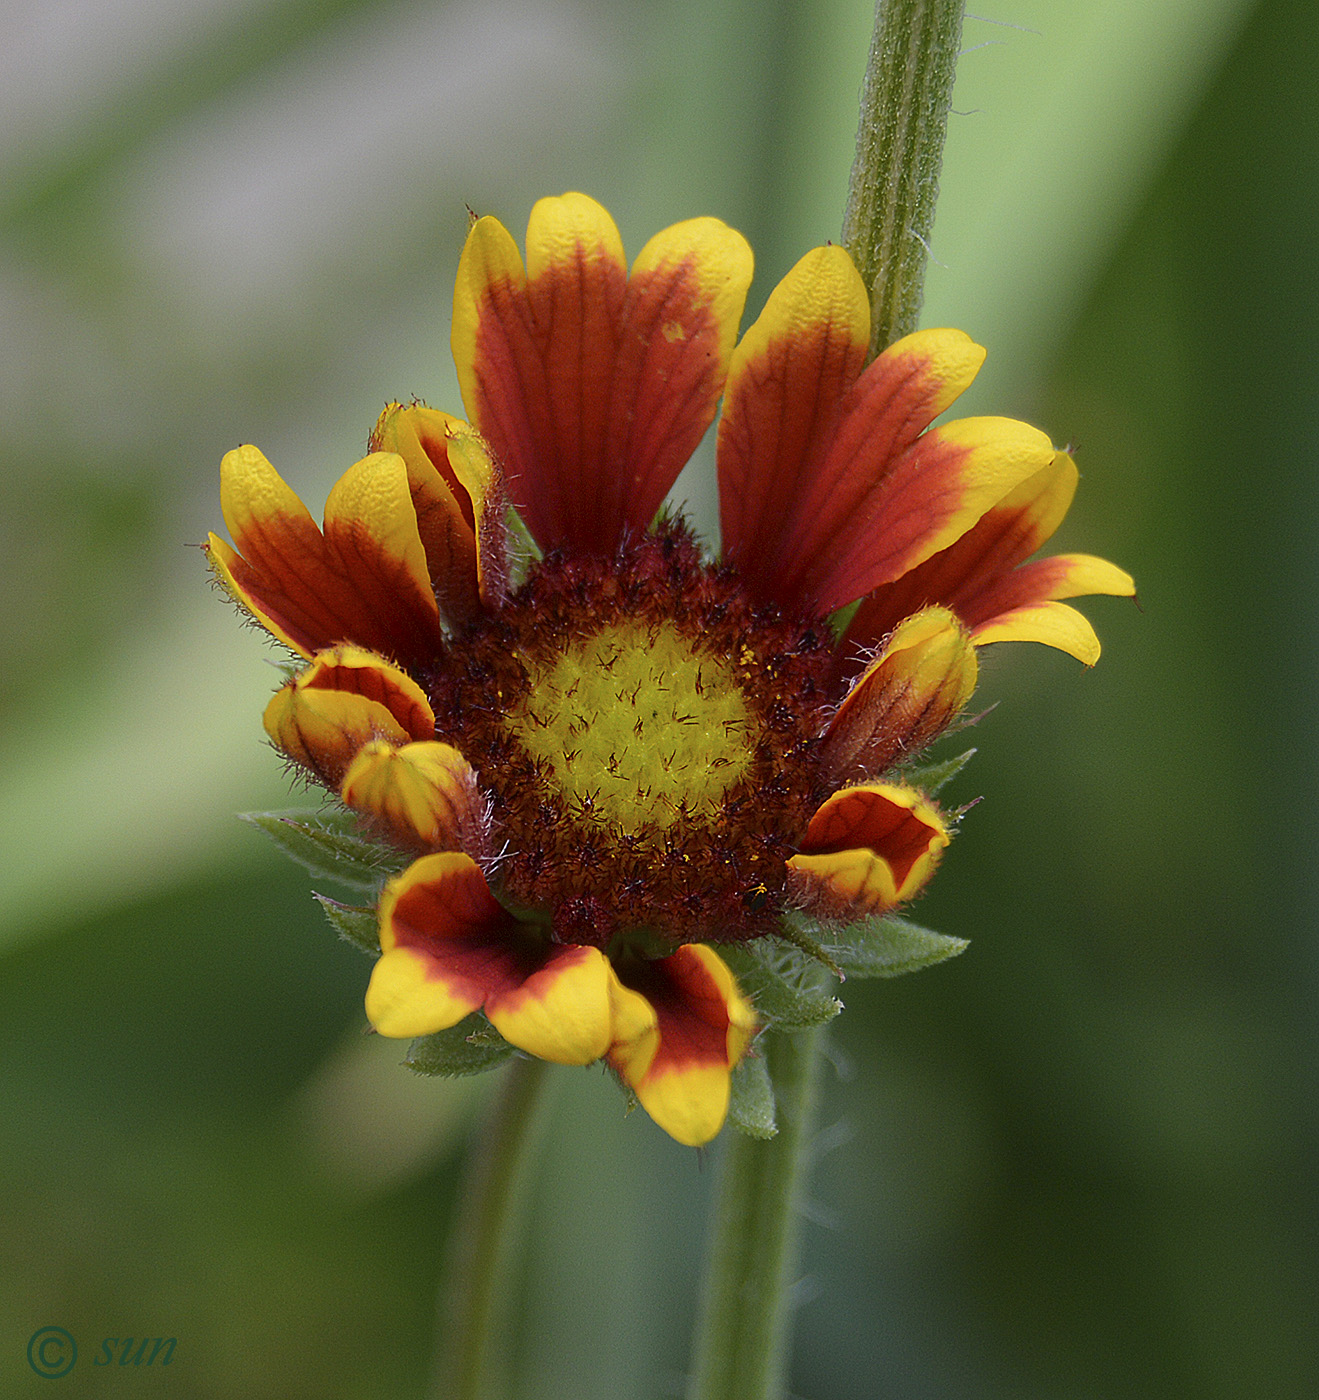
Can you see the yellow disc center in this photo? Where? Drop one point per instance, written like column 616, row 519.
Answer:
column 637, row 726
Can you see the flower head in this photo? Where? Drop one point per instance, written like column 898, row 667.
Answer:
column 626, row 752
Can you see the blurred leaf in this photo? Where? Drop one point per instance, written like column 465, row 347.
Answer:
column 471, row 1047
column 354, row 923
column 327, row 842
column 1072, row 114
column 751, row 1101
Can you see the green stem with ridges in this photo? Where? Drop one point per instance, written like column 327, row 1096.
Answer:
column 741, row 1343
column 899, row 152
column 481, row 1255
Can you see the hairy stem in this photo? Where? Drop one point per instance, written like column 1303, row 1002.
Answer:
column 899, row 151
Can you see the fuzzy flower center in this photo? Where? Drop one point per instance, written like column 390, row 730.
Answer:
column 636, row 723
column 649, row 741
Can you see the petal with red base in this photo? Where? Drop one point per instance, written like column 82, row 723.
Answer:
column 593, row 386
column 450, row 948
column 866, row 850
column 445, row 521
column 1010, row 531
column 809, row 433
column 788, row 377
column 1023, row 606
column 981, row 576
column 933, row 493
column 423, row 795
column 346, row 698
column 372, row 526
column 363, row 580
column 481, row 478
column 908, row 695
column 680, row 1026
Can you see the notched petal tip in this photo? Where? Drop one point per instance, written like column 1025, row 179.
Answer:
column 564, row 230
column 593, row 386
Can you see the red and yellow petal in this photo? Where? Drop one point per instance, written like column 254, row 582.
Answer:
column 809, row 434
column 534, row 351
column 279, row 571
column 680, row 1026
column 424, row 795
column 866, row 850
column 562, row 1011
column 409, row 996
column 371, row 524
column 917, row 685
column 1046, row 580
column 449, row 948
column 346, row 698
column 1010, row 531
column 362, row 581
column 981, row 576
column 445, row 520
column 591, row 386
column 931, row 495
column 788, row 377
column 1023, row 606
column 685, row 296
column 483, row 481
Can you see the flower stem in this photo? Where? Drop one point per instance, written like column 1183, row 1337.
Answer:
column 899, row 151
column 480, row 1260
column 742, row 1334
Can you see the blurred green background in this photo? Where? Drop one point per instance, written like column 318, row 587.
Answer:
column 1074, row 1164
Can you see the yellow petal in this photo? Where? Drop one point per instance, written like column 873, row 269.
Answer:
column 562, row 1011
column 1053, row 624
column 404, row 997
column 950, row 359
column 424, row 794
